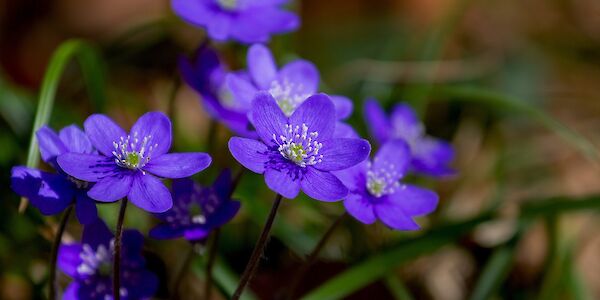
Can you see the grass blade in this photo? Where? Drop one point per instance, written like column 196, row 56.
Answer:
column 93, row 75
column 472, row 94
column 381, row 264
column 493, row 274
column 397, row 287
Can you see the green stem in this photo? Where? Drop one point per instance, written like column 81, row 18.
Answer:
column 54, row 258
column 182, row 271
column 312, row 257
column 258, row 250
column 117, row 254
column 212, row 254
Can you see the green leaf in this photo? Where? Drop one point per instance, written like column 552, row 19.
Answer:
column 498, row 100
column 577, row 286
column 397, row 287
column 14, row 107
column 381, row 264
column 93, row 74
column 556, row 205
column 494, row 272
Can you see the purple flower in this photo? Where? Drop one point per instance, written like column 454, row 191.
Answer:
column 51, row 193
column 247, row 21
column 300, row 151
column 376, row 193
column 197, row 210
column 430, row 156
column 90, row 264
column 130, row 165
column 206, row 74
column 290, row 86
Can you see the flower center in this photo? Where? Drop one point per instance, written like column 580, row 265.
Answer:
column 299, row 146
column 287, row 96
column 383, row 181
column 196, row 214
column 97, row 262
column 228, row 4
column 131, row 154
column 410, row 134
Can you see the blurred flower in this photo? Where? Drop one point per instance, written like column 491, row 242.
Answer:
column 299, row 151
column 246, row 21
column 90, row 265
column 128, row 165
column 290, row 86
column 197, row 210
column 376, row 193
column 206, row 74
column 51, row 193
column 430, row 156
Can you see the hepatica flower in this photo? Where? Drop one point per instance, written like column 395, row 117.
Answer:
column 197, row 210
column 90, row 264
column 376, row 193
column 299, row 151
column 246, row 21
column 51, row 193
column 430, row 156
column 290, row 86
column 206, row 74
column 130, row 165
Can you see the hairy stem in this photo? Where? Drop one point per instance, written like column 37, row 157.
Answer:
column 258, row 250
column 117, row 256
column 312, row 257
column 212, row 254
column 55, row 246
column 182, row 271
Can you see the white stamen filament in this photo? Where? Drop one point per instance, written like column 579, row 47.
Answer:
column 286, row 96
column 130, row 153
column 299, row 145
column 383, row 181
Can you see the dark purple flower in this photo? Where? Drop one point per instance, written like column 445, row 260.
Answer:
column 51, row 193
column 376, row 193
column 131, row 165
column 206, row 74
column 246, row 21
column 90, row 264
column 300, row 151
column 197, row 210
column 290, row 86
column 430, row 156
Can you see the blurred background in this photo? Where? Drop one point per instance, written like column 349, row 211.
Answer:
column 514, row 85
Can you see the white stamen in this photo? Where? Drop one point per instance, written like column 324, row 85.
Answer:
column 286, row 95
column 95, row 262
column 130, row 153
column 299, row 145
column 382, row 181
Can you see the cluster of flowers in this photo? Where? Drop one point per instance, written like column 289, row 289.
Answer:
column 286, row 130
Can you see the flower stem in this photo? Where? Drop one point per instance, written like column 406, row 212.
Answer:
column 258, row 250
column 212, row 254
column 182, row 271
column 236, row 181
column 313, row 256
column 54, row 256
column 117, row 256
